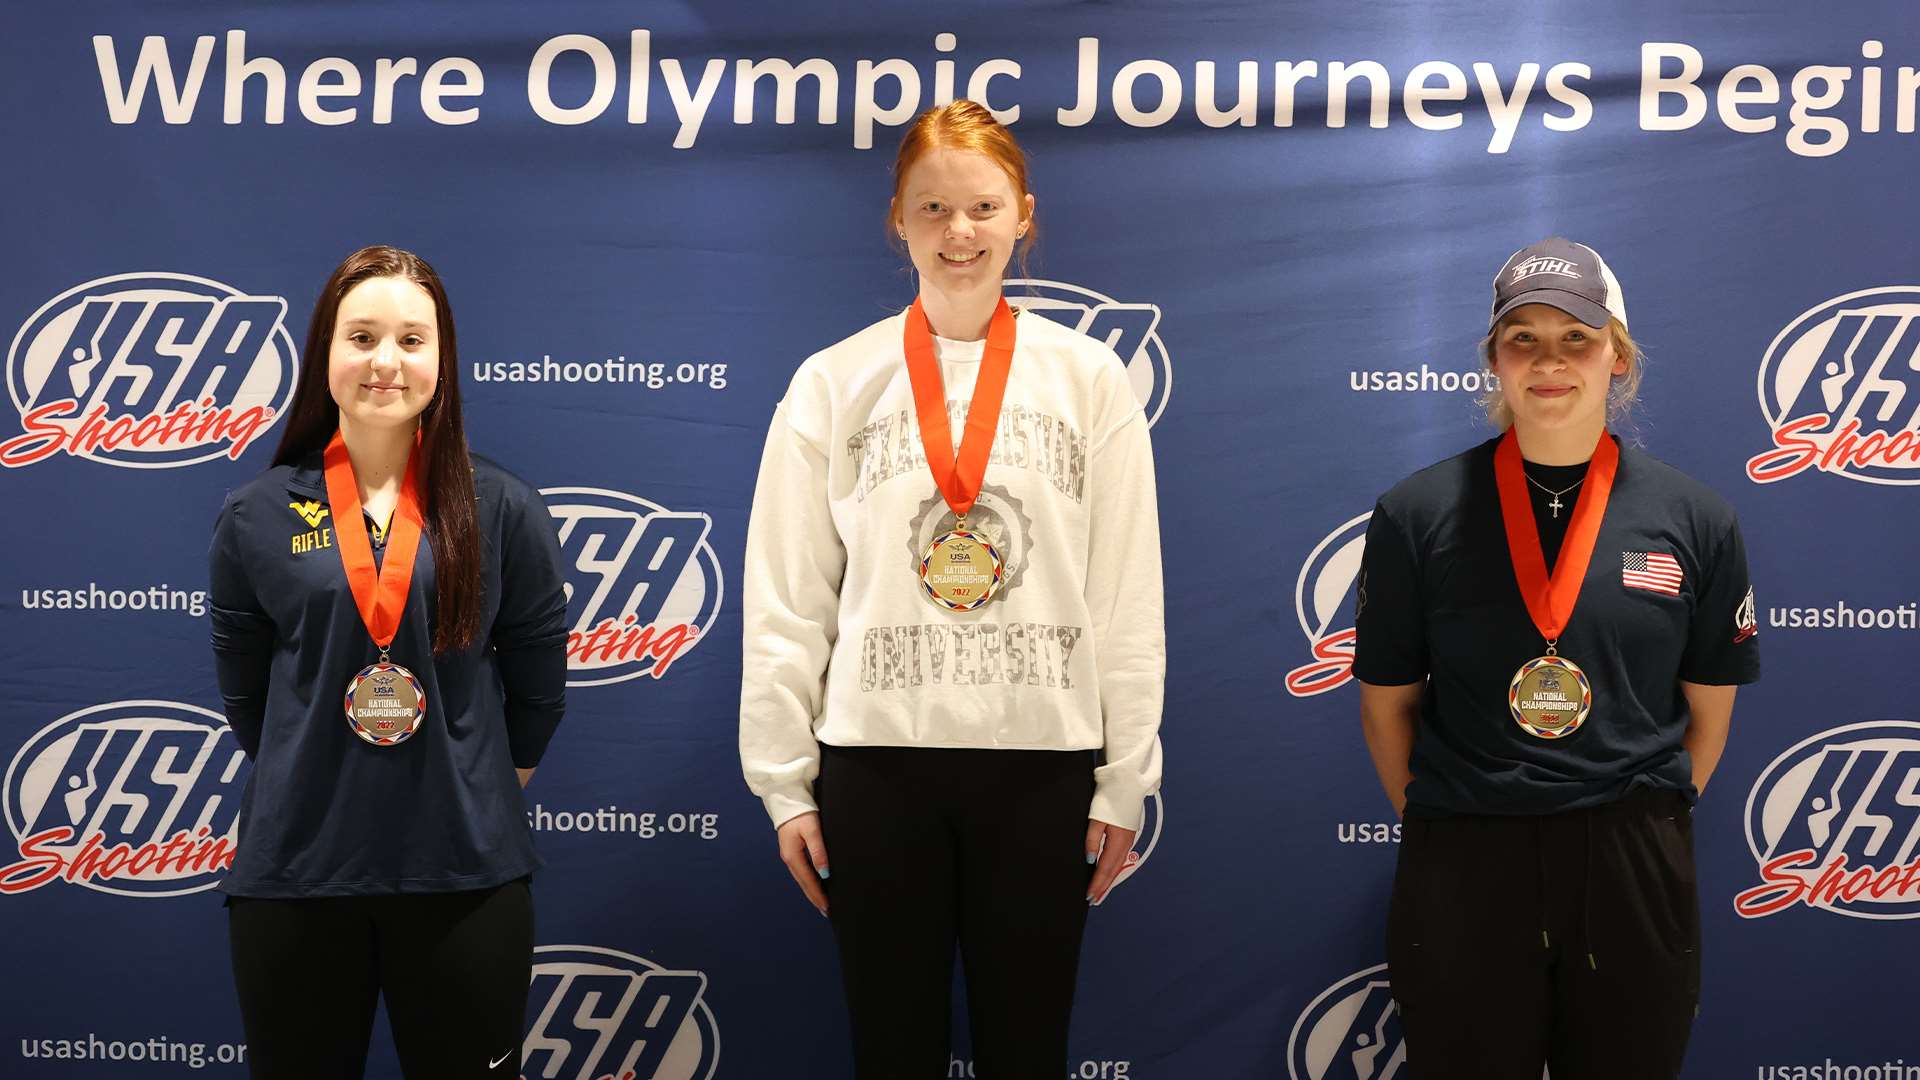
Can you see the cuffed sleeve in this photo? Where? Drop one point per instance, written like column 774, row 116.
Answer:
column 530, row 629
column 242, row 633
column 790, row 610
column 1125, row 603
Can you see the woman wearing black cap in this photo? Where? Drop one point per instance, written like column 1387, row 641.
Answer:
column 1551, row 629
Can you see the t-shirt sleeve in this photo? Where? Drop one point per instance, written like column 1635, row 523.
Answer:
column 1722, row 645
column 1391, row 644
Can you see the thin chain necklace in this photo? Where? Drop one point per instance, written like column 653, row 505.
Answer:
column 1556, row 504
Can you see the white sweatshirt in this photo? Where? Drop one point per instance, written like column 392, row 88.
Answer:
column 841, row 646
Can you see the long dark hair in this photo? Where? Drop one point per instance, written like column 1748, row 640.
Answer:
column 446, row 474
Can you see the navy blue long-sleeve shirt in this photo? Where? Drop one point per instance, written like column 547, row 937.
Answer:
column 325, row 813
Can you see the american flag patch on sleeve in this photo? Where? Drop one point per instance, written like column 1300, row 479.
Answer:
column 1650, row 570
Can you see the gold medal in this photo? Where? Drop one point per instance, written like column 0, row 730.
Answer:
column 385, row 703
column 1550, row 697
column 961, row 570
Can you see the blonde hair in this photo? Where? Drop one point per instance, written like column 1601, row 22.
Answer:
column 962, row 125
column 1622, row 392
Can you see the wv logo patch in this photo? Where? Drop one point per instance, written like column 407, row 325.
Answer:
column 310, row 512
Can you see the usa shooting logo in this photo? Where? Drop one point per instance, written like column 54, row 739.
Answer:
column 600, row 1014
column 1834, row 824
column 1326, row 598
column 1144, row 841
column 148, row 371
column 1840, row 388
column 1350, row 1032
column 137, row 798
column 643, row 584
column 1131, row 330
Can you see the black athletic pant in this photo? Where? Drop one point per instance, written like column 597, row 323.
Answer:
column 454, row 968
column 1571, row 940
column 986, row 847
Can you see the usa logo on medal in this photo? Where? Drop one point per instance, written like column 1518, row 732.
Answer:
column 1834, row 825
column 643, row 584
column 1130, row 329
column 595, row 1012
column 1326, row 599
column 148, row 371
column 1837, row 387
column 135, row 798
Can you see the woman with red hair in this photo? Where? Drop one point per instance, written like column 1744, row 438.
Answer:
column 954, row 647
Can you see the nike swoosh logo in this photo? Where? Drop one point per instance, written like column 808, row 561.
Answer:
column 499, row 1061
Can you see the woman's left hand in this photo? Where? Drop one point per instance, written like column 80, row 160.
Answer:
column 1107, row 848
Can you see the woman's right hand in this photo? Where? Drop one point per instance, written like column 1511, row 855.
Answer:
column 804, row 849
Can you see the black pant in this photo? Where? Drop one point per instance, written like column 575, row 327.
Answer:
column 454, row 968
column 986, row 847
column 1571, row 940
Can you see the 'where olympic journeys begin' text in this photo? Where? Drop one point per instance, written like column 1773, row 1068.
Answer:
column 1825, row 105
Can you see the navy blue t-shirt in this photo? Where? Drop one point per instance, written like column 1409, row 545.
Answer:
column 1438, row 602
column 325, row 813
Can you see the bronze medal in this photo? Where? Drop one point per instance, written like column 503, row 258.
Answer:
column 385, row 703
column 1550, row 697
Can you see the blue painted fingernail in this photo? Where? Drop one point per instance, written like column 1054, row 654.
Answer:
column 1092, row 857
column 823, row 872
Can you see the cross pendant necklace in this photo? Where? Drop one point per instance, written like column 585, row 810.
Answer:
column 1556, row 504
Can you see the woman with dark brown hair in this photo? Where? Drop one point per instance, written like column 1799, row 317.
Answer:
column 393, row 695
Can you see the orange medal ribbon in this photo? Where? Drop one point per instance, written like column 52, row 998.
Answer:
column 959, row 478
column 380, row 594
column 1550, row 600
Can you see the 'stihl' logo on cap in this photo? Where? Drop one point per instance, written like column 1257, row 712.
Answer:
column 1541, row 264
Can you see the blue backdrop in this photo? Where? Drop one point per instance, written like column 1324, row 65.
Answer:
column 1285, row 216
